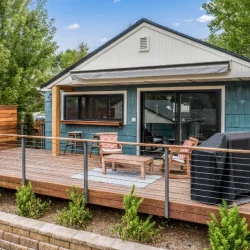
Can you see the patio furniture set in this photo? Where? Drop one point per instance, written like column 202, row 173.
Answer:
column 110, row 151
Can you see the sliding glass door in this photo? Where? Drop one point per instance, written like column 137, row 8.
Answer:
column 172, row 117
column 199, row 115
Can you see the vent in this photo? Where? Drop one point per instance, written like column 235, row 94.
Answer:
column 144, row 43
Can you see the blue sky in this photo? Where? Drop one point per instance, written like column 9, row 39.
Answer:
column 96, row 21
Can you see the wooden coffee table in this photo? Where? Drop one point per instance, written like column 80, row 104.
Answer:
column 142, row 161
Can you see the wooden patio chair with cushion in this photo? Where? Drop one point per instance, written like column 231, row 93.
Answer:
column 109, row 148
column 181, row 157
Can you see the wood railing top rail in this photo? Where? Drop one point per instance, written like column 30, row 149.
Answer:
column 242, row 151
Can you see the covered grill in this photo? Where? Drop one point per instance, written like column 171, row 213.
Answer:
column 221, row 175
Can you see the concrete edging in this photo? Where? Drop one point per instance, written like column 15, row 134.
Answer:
column 16, row 230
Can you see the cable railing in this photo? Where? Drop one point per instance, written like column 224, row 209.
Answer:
column 164, row 176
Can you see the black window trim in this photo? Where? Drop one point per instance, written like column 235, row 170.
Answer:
column 88, row 96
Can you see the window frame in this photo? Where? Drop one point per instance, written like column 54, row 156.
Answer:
column 94, row 94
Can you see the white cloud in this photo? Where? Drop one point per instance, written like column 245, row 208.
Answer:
column 201, row 8
column 176, row 24
column 116, row 1
column 189, row 20
column 104, row 40
column 205, row 19
column 73, row 26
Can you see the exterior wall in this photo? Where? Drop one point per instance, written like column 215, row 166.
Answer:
column 166, row 48
column 237, row 113
column 179, row 50
column 237, row 107
column 48, row 117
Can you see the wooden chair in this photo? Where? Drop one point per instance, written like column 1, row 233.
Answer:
column 149, row 137
column 95, row 145
column 181, row 157
column 109, row 148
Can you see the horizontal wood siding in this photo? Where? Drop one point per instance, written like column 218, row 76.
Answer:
column 8, row 125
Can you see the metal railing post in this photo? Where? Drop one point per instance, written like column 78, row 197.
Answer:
column 166, row 184
column 23, row 162
column 85, row 171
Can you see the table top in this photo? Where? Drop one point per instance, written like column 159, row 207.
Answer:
column 128, row 157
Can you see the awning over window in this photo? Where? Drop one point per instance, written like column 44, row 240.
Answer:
column 213, row 68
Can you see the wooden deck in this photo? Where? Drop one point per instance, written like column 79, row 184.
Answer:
column 53, row 175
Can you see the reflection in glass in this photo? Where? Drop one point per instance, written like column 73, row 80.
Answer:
column 71, row 107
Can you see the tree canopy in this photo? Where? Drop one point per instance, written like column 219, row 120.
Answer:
column 26, row 51
column 230, row 29
column 65, row 59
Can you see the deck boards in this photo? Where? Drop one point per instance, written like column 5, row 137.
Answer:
column 53, row 175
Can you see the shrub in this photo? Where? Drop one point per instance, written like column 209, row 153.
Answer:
column 133, row 228
column 28, row 205
column 76, row 215
column 28, row 117
column 231, row 232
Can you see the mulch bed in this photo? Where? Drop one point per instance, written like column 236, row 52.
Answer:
column 176, row 235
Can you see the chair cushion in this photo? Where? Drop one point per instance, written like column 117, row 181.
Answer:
column 157, row 140
column 175, row 158
column 187, row 143
column 111, row 151
column 178, row 159
column 111, row 138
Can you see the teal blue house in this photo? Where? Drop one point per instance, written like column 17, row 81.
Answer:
column 151, row 84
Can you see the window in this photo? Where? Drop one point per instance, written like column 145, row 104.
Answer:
column 71, row 107
column 94, row 107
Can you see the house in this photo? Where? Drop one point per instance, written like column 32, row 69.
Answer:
column 151, row 77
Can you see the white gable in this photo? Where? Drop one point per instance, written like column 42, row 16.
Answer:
column 165, row 49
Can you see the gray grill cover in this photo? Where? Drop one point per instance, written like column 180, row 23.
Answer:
column 216, row 175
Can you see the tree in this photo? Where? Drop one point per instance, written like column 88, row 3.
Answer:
column 230, row 29
column 65, row 59
column 26, row 50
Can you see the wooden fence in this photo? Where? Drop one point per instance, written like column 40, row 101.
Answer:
column 8, row 125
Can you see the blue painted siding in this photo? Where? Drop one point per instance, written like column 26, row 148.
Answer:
column 48, row 117
column 237, row 114
column 126, row 133
column 237, row 107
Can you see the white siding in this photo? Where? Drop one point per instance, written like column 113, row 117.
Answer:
column 165, row 49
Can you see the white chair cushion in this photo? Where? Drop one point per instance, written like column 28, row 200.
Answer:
column 155, row 140
column 118, row 150
column 176, row 158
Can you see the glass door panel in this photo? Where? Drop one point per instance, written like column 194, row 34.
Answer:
column 159, row 119
column 198, row 115
column 173, row 117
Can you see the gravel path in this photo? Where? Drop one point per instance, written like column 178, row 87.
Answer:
column 176, row 235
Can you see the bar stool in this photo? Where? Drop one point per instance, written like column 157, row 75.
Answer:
column 74, row 144
column 95, row 136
